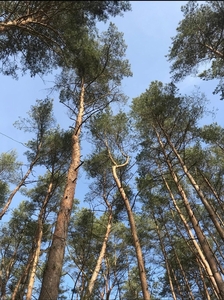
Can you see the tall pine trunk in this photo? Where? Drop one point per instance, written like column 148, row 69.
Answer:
column 99, row 260
column 197, row 228
column 167, row 265
column 208, row 207
column 136, row 242
column 201, row 258
column 53, row 269
column 38, row 240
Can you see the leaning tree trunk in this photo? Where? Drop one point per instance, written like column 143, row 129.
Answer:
column 197, row 228
column 21, row 183
column 38, row 240
column 7, row 272
column 141, row 267
column 137, row 245
column 22, row 279
column 208, row 207
column 167, row 265
column 100, row 259
column 53, row 269
column 201, row 258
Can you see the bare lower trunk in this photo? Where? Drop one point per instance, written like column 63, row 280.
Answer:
column 166, row 260
column 38, row 243
column 201, row 257
column 141, row 267
column 200, row 235
column 4, row 279
column 99, row 261
column 23, row 278
column 52, row 273
column 206, row 204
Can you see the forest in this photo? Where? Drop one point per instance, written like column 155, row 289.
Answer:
column 151, row 225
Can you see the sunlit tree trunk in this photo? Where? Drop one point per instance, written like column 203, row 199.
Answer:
column 100, row 259
column 23, row 278
column 52, row 273
column 208, row 207
column 200, row 235
column 202, row 259
column 38, row 240
column 205, row 288
column 7, row 272
column 137, row 245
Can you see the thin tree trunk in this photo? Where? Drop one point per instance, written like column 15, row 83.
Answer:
column 38, row 240
column 100, row 259
column 141, row 267
column 205, row 288
column 21, row 183
column 191, row 296
column 215, row 194
column 52, row 273
column 165, row 258
column 200, row 235
column 177, row 259
column 202, row 258
column 207, row 205
column 7, row 272
column 137, row 245
column 22, row 278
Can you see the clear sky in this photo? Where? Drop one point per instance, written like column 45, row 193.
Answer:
column 147, row 29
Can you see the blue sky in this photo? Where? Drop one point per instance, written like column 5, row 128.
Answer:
column 147, row 29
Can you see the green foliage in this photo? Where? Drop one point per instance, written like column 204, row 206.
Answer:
column 132, row 288
column 99, row 63
column 37, row 33
column 105, row 127
column 162, row 104
column 56, row 151
column 9, row 167
column 212, row 134
column 109, row 133
column 40, row 121
column 40, row 118
column 97, row 164
column 9, row 174
column 199, row 42
column 4, row 190
column 167, row 128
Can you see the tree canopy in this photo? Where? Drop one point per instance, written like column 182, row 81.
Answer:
column 35, row 35
column 197, row 47
column 149, row 222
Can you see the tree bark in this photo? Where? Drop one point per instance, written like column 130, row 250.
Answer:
column 23, row 278
column 38, row 240
column 210, row 257
column 201, row 257
column 207, row 205
column 100, row 259
column 52, row 273
column 165, row 258
column 137, row 245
